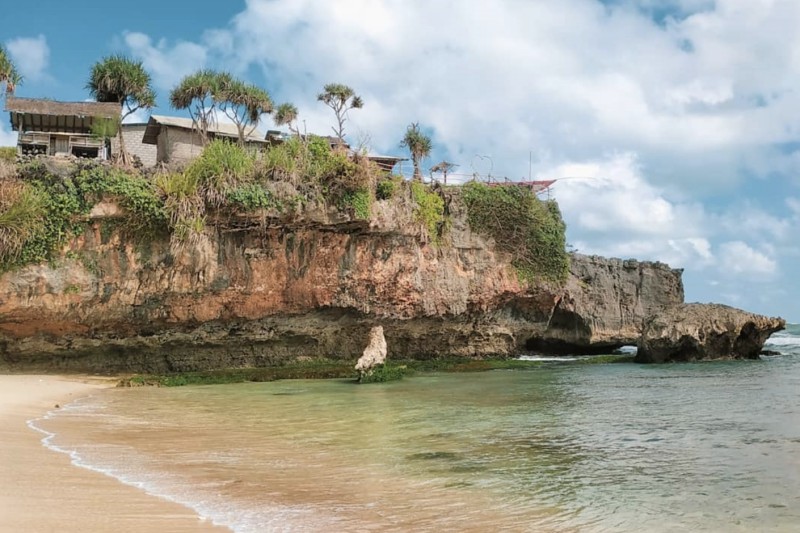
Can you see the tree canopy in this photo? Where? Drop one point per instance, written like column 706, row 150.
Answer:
column 419, row 146
column 205, row 91
column 341, row 99
column 9, row 75
column 123, row 80
column 286, row 115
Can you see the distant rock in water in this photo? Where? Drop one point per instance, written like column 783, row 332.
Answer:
column 693, row 332
column 374, row 353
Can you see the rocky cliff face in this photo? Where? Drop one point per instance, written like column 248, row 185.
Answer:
column 257, row 294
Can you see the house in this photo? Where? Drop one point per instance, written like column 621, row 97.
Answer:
column 54, row 128
column 177, row 139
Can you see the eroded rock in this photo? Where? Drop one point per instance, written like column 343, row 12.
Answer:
column 692, row 332
column 374, row 353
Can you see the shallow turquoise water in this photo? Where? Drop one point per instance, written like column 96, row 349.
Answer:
column 619, row 447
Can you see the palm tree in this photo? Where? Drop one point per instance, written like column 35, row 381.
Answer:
column 123, row 80
column 243, row 103
column 206, row 90
column 341, row 99
column 8, row 72
column 286, row 115
column 195, row 93
column 419, row 145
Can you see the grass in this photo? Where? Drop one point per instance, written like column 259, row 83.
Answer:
column 335, row 369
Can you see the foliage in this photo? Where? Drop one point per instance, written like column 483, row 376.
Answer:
column 286, row 115
column 8, row 154
column 251, row 196
column 243, row 103
column 22, row 212
column 387, row 187
column 384, row 373
column 9, row 75
column 134, row 193
column 341, row 99
column 195, row 93
column 419, row 146
column 62, row 202
column 360, row 201
column 123, row 80
column 429, row 210
column 205, row 91
column 220, row 167
column 530, row 230
column 105, row 128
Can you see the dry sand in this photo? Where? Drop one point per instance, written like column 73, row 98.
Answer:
column 41, row 491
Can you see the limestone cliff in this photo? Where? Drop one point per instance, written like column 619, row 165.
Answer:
column 253, row 294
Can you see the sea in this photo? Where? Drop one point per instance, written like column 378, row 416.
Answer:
column 711, row 446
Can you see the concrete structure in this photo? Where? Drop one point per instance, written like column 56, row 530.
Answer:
column 133, row 134
column 49, row 127
column 177, row 140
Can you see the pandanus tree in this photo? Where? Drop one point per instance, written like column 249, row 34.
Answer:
column 9, row 75
column 341, row 99
column 286, row 115
column 243, row 103
column 195, row 93
column 123, row 80
column 419, row 146
column 207, row 91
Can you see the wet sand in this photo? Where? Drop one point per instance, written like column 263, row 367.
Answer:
column 42, row 491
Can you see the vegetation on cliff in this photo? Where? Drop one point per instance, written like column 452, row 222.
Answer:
column 44, row 203
column 529, row 229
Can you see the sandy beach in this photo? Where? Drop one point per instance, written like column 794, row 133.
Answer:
column 42, row 491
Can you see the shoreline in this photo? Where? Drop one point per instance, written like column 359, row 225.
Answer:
column 43, row 490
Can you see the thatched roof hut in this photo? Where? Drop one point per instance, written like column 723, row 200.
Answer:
column 51, row 116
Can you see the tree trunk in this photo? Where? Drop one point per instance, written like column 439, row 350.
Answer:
column 124, row 158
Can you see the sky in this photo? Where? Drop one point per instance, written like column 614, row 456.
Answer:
column 672, row 126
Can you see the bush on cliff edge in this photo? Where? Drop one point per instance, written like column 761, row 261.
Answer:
column 530, row 230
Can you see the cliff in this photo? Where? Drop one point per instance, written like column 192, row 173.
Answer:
column 258, row 292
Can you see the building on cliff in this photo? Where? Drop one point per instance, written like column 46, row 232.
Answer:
column 50, row 127
column 177, row 139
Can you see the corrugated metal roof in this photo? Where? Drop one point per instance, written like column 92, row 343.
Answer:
column 223, row 129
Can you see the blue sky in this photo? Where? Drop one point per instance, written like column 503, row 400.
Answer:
column 677, row 120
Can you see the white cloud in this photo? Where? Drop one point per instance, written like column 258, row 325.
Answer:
column 31, row 55
column 137, row 117
column 168, row 63
column 739, row 258
column 666, row 106
column 7, row 138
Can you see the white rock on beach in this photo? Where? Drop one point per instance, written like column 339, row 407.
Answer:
column 374, row 353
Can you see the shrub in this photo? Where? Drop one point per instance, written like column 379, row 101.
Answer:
column 134, row 193
column 220, row 167
column 22, row 216
column 531, row 230
column 8, row 154
column 387, row 187
column 384, row 373
column 360, row 201
column 251, row 196
column 429, row 210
